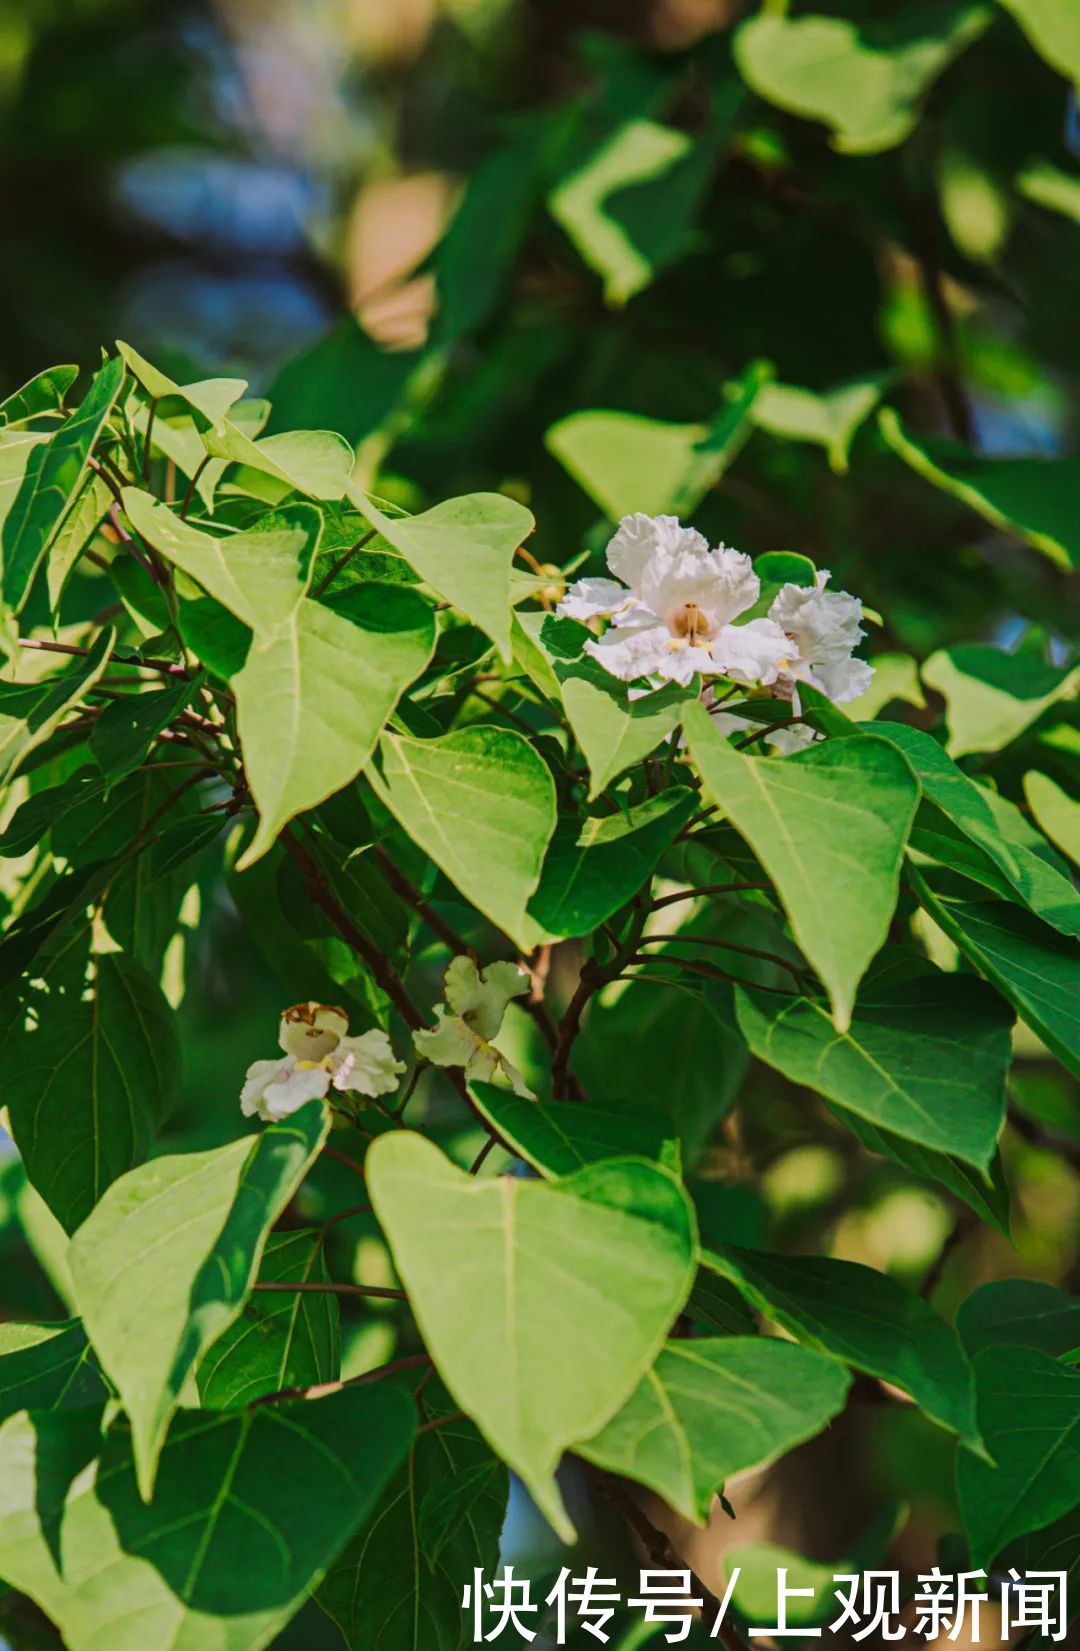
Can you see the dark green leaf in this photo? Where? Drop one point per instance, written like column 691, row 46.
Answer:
column 47, row 1367
column 558, row 1137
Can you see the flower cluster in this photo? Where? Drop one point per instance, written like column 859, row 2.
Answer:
column 319, row 1056
column 672, row 611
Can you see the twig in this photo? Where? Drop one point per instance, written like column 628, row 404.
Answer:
column 342, row 562
column 445, row 1420
column 1030, row 1132
column 478, row 1162
column 728, row 946
column 706, row 888
column 383, row 1292
column 164, row 666
column 344, row 1215
column 340, row 1157
column 146, row 442
column 709, row 971
column 190, row 494
column 591, row 979
column 320, row 1390
column 961, row 1227
column 767, row 728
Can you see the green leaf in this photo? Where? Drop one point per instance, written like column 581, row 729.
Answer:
column 315, row 462
column 44, row 393
column 464, row 549
column 481, row 803
column 165, row 1263
column 1036, row 969
column 863, row 1318
column 558, row 1138
column 519, row 1289
column 313, row 699
column 94, row 1064
column 896, row 676
column 866, row 83
column 1056, row 812
column 596, row 864
column 627, row 462
column 640, row 152
column 76, row 531
column 924, row 1058
column 123, row 734
column 1006, row 850
column 209, row 398
column 614, row 731
column 383, row 1591
column 1032, row 498
column 1053, row 27
column 53, row 478
column 829, row 419
column 627, row 1043
column 250, row 1510
column 708, row 1409
column 31, row 712
column 992, row 696
column 1029, row 1417
column 47, row 1367
column 261, row 577
column 280, row 1340
column 829, row 825
column 984, row 1191
column 1019, row 1312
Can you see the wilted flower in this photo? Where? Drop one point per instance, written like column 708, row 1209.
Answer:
column 671, row 614
column 319, row 1056
column 470, row 1019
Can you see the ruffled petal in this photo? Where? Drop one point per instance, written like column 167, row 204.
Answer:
column 449, row 1043
column 366, row 1064
column 639, row 538
column 287, row 1095
column 259, row 1075
column 825, row 624
column 311, row 1030
column 843, row 681
column 593, row 599
column 755, row 652
column 630, row 653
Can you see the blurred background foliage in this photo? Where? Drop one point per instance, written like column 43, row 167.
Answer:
column 570, row 249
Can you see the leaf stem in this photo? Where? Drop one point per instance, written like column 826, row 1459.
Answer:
column 706, row 888
column 342, row 562
column 383, row 1292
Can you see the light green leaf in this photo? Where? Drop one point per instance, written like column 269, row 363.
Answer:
column 313, row 698
column 596, row 864
column 710, row 1408
column 464, row 549
column 1019, row 1312
column 925, row 1058
column 993, row 696
column 867, row 84
column 1032, row 498
column 44, row 393
column 830, row 419
column 1034, row 967
column 558, row 1138
column 383, row 1591
column 1006, row 849
column 627, row 462
column 261, row 577
column 53, row 478
column 77, row 530
column 315, row 462
column 17, row 450
column 1053, row 27
column 165, row 1263
column 280, row 1340
column 638, row 152
column 31, row 712
column 614, row 731
column 1029, row 1417
column 519, row 1289
column 1056, row 812
column 250, row 1510
column 829, row 825
column 209, row 398
column 863, row 1318
column 123, row 734
column 481, row 803
column 626, row 1049
column 47, row 1367
column 93, row 1068
column 1051, row 188
column 896, row 676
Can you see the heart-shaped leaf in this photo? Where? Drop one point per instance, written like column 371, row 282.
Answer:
column 518, row 1287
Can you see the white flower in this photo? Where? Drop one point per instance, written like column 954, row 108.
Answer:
column 825, row 627
column 319, row 1055
column 758, row 651
column 671, row 613
column 464, row 1032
